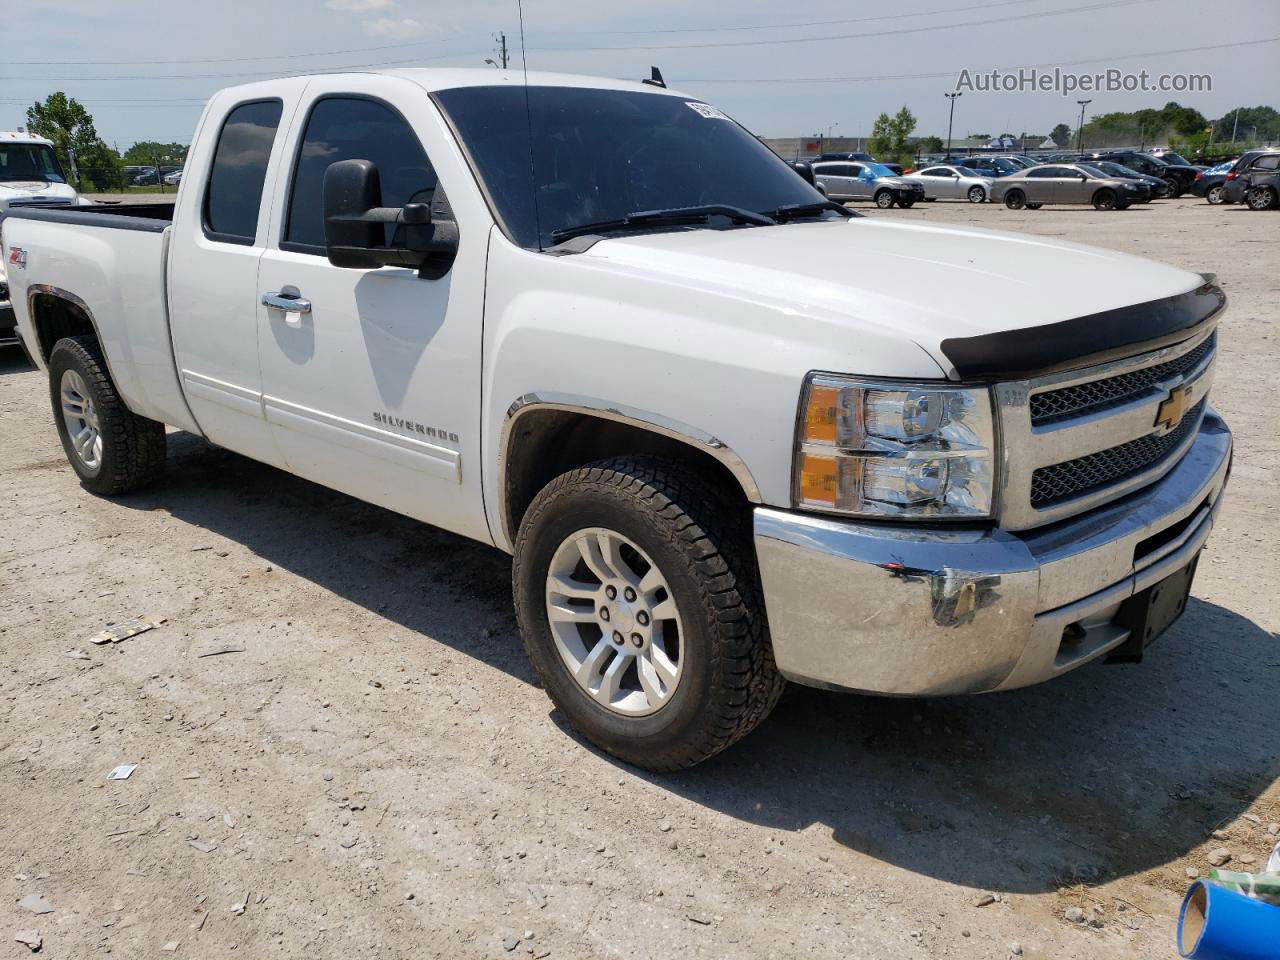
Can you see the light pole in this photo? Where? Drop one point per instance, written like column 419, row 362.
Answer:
column 832, row 127
column 951, row 118
column 1080, row 128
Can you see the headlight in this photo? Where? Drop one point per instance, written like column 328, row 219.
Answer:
column 913, row 451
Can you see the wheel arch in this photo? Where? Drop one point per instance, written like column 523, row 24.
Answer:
column 56, row 313
column 544, row 435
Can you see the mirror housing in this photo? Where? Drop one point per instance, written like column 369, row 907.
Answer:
column 355, row 225
column 805, row 169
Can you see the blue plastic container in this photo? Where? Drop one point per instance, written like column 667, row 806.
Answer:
column 1219, row 924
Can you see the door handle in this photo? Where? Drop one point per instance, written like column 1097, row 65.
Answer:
column 293, row 307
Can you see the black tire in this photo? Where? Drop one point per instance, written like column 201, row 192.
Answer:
column 1122, row 204
column 133, row 447
column 1015, row 199
column 906, row 204
column 1216, row 194
column 1262, row 198
column 930, row 199
column 1104, row 199
column 884, row 199
column 700, row 541
column 976, row 195
column 1172, row 188
column 1034, row 206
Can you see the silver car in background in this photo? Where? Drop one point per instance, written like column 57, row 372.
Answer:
column 952, row 183
column 866, row 180
column 1067, row 183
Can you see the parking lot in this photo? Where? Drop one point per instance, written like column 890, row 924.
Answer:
column 342, row 750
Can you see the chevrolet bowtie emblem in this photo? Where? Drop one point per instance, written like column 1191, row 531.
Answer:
column 1173, row 408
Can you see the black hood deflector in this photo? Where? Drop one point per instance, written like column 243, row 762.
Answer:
column 1084, row 341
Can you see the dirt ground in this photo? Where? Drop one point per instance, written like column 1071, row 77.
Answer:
column 376, row 774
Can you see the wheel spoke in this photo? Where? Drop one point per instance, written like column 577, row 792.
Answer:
column 558, row 586
column 651, row 581
column 567, row 613
column 591, row 556
column 662, row 664
column 650, row 682
column 72, row 403
column 83, row 442
column 611, row 680
column 610, row 549
column 592, row 662
column 666, row 610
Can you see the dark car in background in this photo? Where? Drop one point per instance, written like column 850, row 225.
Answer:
column 1157, row 186
column 847, row 155
column 993, row 167
column 1178, row 176
column 1255, row 179
column 1212, row 183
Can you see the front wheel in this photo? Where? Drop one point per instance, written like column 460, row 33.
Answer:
column 884, row 199
column 1104, row 200
column 639, row 603
column 1034, row 206
column 1262, row 198
column 906, row 204
column 977, row 195
column 1015, row 199
column 111, row 449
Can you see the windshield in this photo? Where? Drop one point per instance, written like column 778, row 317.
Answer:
column 1091, row 171
column 29, row 161
column 879, row 169
column 1176, row 158
column 600, row 155
column 1119, row 169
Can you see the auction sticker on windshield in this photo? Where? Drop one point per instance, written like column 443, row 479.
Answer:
column 705, row 110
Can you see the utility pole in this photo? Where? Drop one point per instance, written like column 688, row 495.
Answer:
column 1080, row 129
column 503, row 57
column 1234, row 125
column 951, row 118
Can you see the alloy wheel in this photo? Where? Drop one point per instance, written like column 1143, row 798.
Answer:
column 81, row 419
column 615, row 622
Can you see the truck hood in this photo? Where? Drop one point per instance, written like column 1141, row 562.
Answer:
column 11, row 190
column 919, row 282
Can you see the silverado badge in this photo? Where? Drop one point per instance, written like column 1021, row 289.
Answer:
column 1173, row 408
column 17, row 257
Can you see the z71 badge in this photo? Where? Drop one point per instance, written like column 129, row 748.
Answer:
column 18, row 257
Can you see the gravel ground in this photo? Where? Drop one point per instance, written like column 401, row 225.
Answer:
column 375, row 773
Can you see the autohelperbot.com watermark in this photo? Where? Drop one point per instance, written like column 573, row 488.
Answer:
column 1067, row 83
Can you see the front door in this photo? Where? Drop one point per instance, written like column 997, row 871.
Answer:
column 371, row 376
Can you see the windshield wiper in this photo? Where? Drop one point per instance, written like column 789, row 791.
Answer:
column 792, row 211
column 673, row 216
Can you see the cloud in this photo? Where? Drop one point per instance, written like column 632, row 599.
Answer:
column 360, row 6
column 402, row 29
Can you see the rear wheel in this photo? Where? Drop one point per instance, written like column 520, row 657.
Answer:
column 639, row 603
column 1216, row 194
column 1015, row 199
column 111, row 449
column 1104, row 200
column 1034, row 206
column 884, row 199
column 977, row 195
column 1262, row 198
column 1171, row 189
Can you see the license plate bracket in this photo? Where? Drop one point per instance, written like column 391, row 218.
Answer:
column 1150, row 612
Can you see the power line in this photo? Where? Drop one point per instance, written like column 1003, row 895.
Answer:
column 271, row 56
column 1062, row 11
column 810, row 23
column 954, row 73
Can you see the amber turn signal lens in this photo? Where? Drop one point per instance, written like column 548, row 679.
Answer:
column 818, row 479
column 822, row 414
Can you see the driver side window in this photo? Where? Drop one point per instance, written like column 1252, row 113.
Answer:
column 355, row 128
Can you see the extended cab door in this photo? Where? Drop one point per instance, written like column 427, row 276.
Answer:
column 219, row 233
column 371, row 377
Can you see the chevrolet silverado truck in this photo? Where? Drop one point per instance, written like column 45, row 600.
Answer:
column 29, row 174
column 732, row 434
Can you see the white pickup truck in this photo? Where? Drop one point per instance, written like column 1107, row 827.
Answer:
column 731, row 434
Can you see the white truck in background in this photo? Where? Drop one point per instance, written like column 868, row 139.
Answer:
column 29, row 174
column 732, row 434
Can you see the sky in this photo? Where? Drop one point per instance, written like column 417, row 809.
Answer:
column 144, row 68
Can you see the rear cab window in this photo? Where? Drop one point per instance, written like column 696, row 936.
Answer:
column 233, row 194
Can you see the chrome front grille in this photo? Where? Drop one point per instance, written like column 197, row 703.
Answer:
column 1068, row 402
column 1063, row 481
column 1074, row 441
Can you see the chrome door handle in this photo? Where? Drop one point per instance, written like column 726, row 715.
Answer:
column 276, row 301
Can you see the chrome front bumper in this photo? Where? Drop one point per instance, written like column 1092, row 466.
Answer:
column 931, row 611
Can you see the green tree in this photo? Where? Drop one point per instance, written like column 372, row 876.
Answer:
column 1243, row 121
column 929, row 145
column 1061, row 135
column 889, row 137
column 147, row 151
column 69, row 125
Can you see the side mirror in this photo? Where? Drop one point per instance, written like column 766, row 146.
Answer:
column 355, row 225
column 805, row 169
